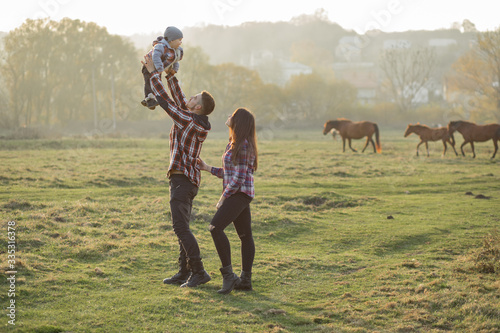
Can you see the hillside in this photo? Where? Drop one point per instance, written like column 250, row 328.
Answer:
column 313, row 42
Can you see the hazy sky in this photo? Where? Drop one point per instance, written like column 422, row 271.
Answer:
column 146, row 16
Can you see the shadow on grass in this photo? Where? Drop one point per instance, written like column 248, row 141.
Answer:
column 406, row 243
column 275, row 314
column 266, row 311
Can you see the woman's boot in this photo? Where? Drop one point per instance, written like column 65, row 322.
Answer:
column 245, row 281
column 229, row 279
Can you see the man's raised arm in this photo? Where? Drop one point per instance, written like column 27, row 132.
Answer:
column 177, row 113
column 176, row 92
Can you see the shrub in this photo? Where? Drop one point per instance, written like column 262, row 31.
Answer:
column 487, row 258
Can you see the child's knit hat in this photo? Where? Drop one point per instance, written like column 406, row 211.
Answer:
column 172, row 33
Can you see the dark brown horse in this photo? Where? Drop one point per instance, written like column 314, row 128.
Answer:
column 475, row 133
column 427, row 134
column 355, row 130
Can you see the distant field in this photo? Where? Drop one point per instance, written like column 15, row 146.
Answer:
column 346, row 242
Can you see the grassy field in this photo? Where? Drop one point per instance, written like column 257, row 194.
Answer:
column 346, row 242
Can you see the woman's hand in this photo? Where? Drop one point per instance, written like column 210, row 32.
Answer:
column 221, row 201
column 203, row 166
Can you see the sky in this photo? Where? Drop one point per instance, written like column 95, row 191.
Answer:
column 148, row 16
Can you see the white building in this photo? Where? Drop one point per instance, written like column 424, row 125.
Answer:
column 442, row 42
column 397, row 44
column 361, row 75
column 290, row 69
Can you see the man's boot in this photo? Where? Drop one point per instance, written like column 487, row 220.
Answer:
column 198, row 274
column 181, row 276
column 229, row 279
column 245, row 282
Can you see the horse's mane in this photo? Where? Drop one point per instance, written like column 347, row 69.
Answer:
column 461, row 124
column 339, row 120
column 419, row 125
column 343, row 119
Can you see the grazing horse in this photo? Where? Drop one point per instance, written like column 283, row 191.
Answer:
column 427, row 133
column 475, row 133
column 354, row 130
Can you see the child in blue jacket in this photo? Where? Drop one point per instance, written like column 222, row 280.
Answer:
column 166, row 54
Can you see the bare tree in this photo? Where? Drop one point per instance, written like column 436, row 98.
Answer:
column 477, row 75
column 6, row 116
column 407, row 72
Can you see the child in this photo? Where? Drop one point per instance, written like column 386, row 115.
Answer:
column 166, row 54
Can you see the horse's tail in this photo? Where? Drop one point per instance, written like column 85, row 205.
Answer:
column 452, row 138
column 377, row 138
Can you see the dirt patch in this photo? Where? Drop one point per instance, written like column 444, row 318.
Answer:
column 314, row 201
column 21, row 205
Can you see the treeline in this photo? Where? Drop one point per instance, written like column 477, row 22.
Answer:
column 58, row 74
column 62, row 72
column 74, row 74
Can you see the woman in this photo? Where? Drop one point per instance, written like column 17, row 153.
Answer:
column 239, row 162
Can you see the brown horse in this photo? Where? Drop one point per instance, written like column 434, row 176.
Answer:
column 431, row 134
column 475, row 133
column 354, row 130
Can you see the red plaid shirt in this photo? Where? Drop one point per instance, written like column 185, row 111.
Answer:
column 239, row 177
column 188, row 131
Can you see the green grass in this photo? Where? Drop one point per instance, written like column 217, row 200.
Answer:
column 346, row 242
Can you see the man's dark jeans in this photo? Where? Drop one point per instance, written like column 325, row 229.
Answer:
column 182, row 193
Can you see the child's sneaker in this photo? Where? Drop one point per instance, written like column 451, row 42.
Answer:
column 152, row 103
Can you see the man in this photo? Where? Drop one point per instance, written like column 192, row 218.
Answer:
column 188, row 132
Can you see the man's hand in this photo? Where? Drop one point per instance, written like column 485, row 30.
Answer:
column 148, row 63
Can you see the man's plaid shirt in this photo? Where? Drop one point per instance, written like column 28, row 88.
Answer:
column 188, row 131
column 239, row 177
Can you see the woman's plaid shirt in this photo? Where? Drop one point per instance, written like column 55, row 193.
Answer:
column 188, row 131
column 239, row 177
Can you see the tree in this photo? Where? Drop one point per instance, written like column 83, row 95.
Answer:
column 232, row 87
column 468, row 26
column 309, row 53
column 193, row 67
column 310, row 96
column 58, row 72
column 6, row 116
column 476, row 75
column 407, row 70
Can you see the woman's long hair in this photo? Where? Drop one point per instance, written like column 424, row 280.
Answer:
column 243, row 127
